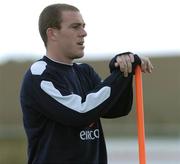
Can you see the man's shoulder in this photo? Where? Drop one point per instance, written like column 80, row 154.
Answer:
column 84, row 67
column 38, row 67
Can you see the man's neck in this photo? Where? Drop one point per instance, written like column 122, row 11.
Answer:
column 58, row 58
column 57, row 61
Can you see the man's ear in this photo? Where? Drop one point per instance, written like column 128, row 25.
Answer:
column 51, row 34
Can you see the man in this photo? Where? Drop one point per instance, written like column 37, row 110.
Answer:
column 62, row 102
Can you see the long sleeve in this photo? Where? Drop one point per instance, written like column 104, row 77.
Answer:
column 55, row 101
column 110, row 98
column 124, row 98
column 62, row 105
column 122, row 102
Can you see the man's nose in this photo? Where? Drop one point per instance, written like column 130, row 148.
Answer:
column 83, row 33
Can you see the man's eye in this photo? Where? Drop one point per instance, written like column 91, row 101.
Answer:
column 75, row 27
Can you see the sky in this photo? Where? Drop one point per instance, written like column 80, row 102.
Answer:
column 113, row 26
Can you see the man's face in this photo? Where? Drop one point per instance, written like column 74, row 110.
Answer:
column 70, row 37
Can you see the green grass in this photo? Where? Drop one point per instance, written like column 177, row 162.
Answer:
column 12, row 151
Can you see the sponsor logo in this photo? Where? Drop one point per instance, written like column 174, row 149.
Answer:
column 89, row 134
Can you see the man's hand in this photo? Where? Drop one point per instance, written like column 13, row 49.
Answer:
column 124, row 62
column 146, row 65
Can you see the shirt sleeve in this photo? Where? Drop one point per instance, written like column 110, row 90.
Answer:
column 123, row 101
column 124, row 98
column 52, row 99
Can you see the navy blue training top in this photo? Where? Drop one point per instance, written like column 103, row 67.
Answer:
column 62, row 106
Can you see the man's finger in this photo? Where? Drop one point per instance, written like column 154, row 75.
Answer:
column 146, row 65
column 128, row 63
column 121, row 63
column 149, row 67
column 131, row 57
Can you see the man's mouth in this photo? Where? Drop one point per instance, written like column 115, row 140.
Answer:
column 80, row 43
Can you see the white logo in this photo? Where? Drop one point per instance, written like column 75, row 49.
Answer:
column 89, row 134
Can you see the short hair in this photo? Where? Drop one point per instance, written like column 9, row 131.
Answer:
column 51, row 16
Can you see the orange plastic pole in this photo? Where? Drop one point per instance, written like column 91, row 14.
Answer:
column 140, row 115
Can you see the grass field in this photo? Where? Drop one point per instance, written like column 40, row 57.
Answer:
column 12, row 151
column 120, row 151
